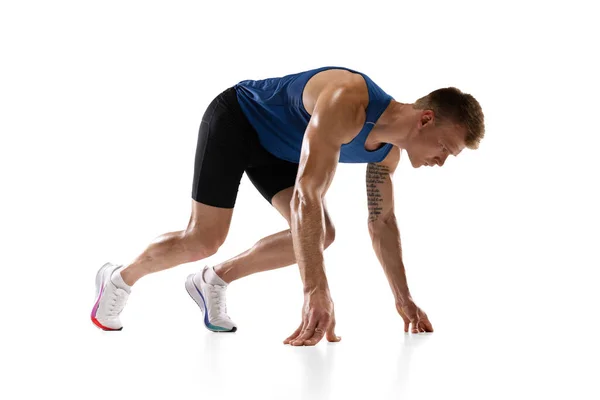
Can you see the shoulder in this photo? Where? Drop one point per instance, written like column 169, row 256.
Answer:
column 348, row 86
column 339, row 112
column 352, row 87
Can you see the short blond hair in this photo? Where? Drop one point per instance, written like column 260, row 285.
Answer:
column 450, row 105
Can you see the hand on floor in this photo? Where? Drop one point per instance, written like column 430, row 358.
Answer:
column 411, row 314
column 318, row 319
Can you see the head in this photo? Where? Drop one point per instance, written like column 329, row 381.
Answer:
column 448, row 121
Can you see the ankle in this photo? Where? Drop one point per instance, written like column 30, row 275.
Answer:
column 129, row 276
column 222, row 273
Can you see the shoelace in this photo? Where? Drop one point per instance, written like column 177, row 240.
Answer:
column 218, row 294
column 118, row 300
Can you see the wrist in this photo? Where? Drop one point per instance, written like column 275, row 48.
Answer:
column 403, row 299
column 315, row 282
column 321, row 288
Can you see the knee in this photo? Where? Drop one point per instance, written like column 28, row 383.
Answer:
column 329, row 234
column 200, row 245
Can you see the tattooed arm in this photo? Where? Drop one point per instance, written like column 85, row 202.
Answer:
column 385, row 236
column 382, row 223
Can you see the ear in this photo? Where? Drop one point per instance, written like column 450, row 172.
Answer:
column 427, row 118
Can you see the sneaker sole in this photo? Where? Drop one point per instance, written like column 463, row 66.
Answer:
column 99, row 291
column 198, row 298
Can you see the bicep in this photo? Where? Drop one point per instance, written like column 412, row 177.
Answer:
column 335, row 120
column 318, row 162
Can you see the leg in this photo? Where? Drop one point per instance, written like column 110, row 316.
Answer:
column 221, row 157
column 271, row 252
column 218, row 167
column 206, row 232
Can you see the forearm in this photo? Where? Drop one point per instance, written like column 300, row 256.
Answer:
column 308, row 236
column 385, row 236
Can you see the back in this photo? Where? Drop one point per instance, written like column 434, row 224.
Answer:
column 275, row 109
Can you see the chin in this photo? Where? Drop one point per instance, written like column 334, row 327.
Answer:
column 411, row 161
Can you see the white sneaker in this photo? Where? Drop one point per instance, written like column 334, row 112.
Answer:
column 110, row 300
column 212, row 298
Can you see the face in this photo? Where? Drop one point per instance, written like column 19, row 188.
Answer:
column 432, row 144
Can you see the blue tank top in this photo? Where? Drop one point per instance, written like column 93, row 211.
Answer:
column 275, row 109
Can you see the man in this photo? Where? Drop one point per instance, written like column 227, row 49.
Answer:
column 288, row 134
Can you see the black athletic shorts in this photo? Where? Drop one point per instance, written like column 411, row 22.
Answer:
column 227, row 146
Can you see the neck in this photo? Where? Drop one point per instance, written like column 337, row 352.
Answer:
column 395, row 125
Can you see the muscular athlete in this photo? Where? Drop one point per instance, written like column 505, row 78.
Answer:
column 288, row 134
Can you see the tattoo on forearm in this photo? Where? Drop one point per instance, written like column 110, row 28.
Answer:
column 376, row 175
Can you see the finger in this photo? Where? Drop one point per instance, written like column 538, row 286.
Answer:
column 415, row 327
column 294, row 335
column 325, row 324
column 426, row 325
column 306, row 333
column 406, row 325
column 331, row 336
column 317, row 336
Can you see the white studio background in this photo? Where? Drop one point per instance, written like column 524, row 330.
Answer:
column 100, row 104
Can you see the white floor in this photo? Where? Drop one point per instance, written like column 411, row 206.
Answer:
column 165, row 352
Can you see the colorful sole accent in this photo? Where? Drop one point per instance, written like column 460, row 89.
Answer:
column 192, row 289
column 104, row 328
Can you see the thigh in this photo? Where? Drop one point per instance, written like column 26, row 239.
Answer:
column 273, row 177
column 281, row 201
column 221, row 153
